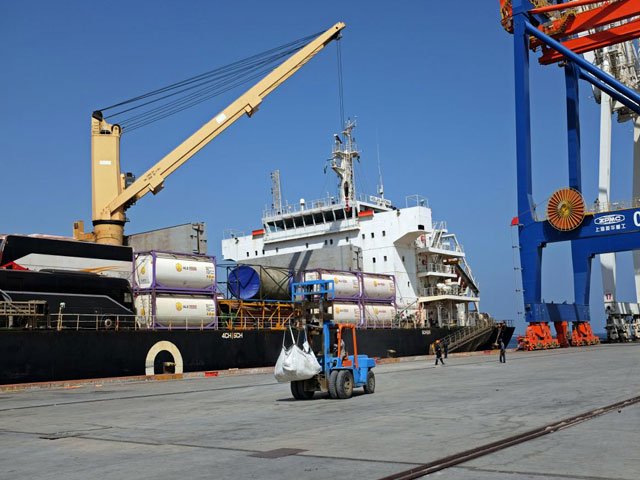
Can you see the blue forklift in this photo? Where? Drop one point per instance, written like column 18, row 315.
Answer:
column 341, row 372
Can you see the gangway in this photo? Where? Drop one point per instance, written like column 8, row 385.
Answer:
column 465, row 335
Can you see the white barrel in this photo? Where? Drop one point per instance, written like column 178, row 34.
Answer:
column 346, row 284
column 346, row 313
column 381, row 315
column 176, row 311
column 175, row 271
column 378, row 287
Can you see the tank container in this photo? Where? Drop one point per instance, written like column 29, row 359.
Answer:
column 176, row 311
column 378, row 287
column 346, row 313
column 346, row 284
column 160, row 270
column 376, row 314
column 248, row 282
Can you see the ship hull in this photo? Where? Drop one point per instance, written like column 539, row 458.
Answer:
column 49, row 355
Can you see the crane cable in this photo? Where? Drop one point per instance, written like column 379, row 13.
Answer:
column 186, row 93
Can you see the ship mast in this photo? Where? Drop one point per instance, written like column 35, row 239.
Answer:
column 343, row 155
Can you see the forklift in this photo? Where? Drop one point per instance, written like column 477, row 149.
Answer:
column 341, row 372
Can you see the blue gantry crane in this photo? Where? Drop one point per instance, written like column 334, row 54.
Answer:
column 563, row 31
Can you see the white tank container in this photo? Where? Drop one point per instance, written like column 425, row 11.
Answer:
column 175, row 271
column 346, row 313
column 379, row 314
column 346, row 284
column 176, row 311
column 378, row 287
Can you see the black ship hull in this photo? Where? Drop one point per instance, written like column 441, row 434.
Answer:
column 50, row 355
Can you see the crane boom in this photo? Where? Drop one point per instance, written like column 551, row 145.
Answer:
column 110, row 195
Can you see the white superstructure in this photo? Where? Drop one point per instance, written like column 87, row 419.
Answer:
column 351, row 232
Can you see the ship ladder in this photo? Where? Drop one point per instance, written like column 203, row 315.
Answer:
column 467, row 334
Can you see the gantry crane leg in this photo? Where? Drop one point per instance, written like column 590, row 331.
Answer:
column 567, row 218
column 636, row 195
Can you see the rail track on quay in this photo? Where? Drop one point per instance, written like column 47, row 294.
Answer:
column 467, row 455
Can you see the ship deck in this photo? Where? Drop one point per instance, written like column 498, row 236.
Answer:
column 248, row 426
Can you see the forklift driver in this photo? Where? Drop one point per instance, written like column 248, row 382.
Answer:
column 334, row 348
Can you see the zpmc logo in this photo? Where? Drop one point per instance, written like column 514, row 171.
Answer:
column 609, row 219
column 179, row 267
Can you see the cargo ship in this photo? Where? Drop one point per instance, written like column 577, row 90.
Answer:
column 73, row 310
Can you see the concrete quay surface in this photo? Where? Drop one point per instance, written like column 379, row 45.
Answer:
column 234, row 426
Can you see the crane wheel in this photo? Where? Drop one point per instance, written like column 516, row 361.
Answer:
column 370, row 386
column 333, row 379
column 344, row 384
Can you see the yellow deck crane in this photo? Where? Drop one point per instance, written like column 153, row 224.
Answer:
column 110, row 195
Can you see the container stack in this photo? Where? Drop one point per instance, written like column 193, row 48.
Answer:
column 366, row 299
column 175, row 290
column 378, row 300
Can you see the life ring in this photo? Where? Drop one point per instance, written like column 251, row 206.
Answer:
column 163, row 346
column 424, row 262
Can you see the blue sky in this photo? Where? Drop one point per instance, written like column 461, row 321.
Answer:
column 431, row 86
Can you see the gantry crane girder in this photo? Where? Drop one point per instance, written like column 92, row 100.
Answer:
column 589, row 233
column 569, row 22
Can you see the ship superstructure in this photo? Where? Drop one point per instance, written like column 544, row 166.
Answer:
column 367, row 233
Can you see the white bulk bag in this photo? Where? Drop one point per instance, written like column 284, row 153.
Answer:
column 295, row 363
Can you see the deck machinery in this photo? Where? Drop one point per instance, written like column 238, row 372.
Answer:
column 564, row 34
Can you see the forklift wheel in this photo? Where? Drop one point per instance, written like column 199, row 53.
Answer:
column 370, row 386
column 294, row 390
column 298, row 391
column 333, row 379
column 344, row 384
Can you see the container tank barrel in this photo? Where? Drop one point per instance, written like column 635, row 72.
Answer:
column 260, row 283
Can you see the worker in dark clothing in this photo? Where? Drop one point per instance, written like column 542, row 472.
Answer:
column 445, row 346
column 438, row 350
column 503, row 351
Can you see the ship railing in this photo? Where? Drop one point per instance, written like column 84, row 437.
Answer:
column 379, row 323
column 258, row 322
column 287, row 208
column 448, row 247
column 73, row 321
column 436, row 267
column 453, row 290
column 110, row 322
column 439, row 245
column 232, row 233
column 315, row 205
column 416, row 201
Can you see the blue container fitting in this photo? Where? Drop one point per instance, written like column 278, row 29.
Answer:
column 244, row 282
